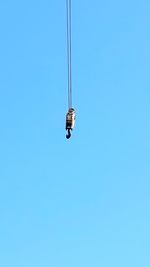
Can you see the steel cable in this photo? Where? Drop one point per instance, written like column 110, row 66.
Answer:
column 69, row 51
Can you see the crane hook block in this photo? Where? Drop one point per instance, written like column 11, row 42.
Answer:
column 70, row 121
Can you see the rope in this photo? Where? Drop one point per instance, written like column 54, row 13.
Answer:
column 69, row 51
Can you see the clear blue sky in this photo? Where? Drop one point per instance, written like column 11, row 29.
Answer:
column 83, row 202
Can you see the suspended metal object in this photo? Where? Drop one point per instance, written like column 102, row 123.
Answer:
column 70, row 116
column 70, row 121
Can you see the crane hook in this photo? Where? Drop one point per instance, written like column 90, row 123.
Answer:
column 68, row 135
column 70, row 121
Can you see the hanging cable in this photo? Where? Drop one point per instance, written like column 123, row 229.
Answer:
column 70, row 116
column 69, row 51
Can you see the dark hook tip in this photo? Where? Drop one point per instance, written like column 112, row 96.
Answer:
column 68, row 135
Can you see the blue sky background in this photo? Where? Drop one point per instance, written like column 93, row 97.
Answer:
column 83, row 202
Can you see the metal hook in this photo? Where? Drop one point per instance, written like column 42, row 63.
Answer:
column 68, row 135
